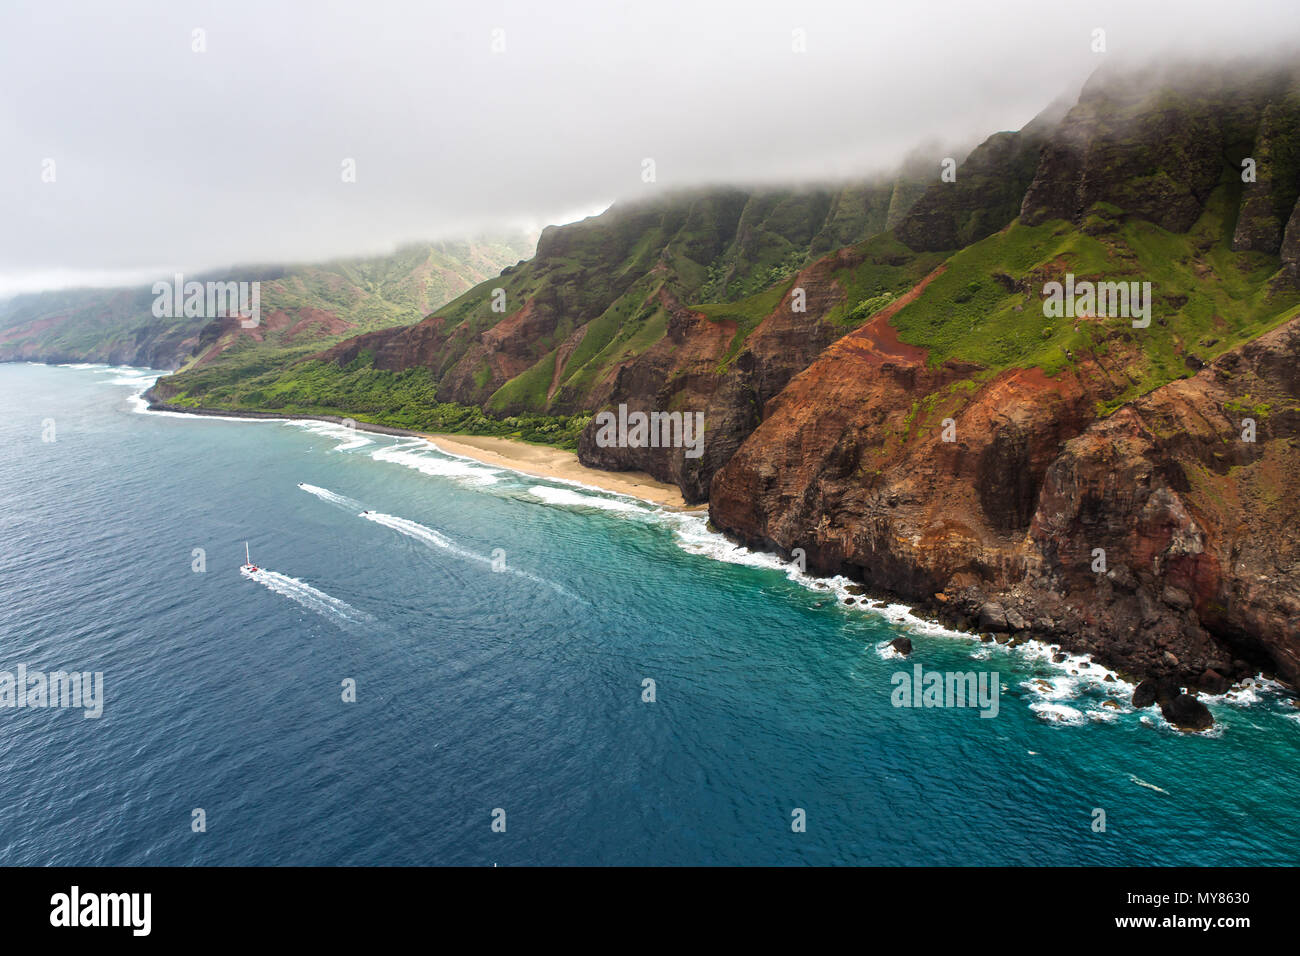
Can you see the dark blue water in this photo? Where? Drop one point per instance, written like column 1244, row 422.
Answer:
column 521, row 688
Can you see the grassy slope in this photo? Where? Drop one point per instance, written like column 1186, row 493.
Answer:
column 633, row 323
column 1207, row 298
column 604, row 276
column 254, row 380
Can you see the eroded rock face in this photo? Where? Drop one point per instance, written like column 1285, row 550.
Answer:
column 985, row 195
column 1133, row 142
column 1195, row 528
column 1274, row 159
column 845, row 467
column 1290, row 251
column 1203, row 519
column 681, row 373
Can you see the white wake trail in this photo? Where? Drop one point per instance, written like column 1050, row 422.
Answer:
column 413, row 529
column 309, row 597
column 435, row 539
column 324, row 494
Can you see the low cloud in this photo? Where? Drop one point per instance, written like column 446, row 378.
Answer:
column 169, row 157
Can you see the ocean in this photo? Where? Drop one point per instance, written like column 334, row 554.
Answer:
column 500, row 634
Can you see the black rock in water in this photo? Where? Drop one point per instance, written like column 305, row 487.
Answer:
column 1187, row 713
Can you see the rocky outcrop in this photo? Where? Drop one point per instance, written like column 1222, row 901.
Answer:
column 1290, row 251
column 1274, row 164
column 685, row 372
column 1156, row 143
column 1192, row 492
column 985, row 194
column 1157, row 539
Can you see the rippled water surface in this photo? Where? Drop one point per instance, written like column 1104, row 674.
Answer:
column 499, row 630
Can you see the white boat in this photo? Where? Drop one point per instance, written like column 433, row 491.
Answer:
column 248, row 567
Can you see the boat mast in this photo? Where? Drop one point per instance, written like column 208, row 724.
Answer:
column 247, row 559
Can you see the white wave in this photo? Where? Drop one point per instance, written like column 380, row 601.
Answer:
column 309, row 597
column 324, row 494
column 1057, row 713
column 1061, row 687
column 142, row 406
column 572, row 499
column 886, row 652
column 1078, row 675
column 1250, row 691
column 135, row 381
column 694, row 537
column 429, row 461
column 348, row 438
column 76, row 364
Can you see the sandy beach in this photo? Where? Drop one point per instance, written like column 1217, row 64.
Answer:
column 542, row 461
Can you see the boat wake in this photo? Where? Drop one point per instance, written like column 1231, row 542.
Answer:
column 324, row 494
column 309, row 597
column 435, row 539
column 423, row 534
column 1150, row 786
column 427, row 536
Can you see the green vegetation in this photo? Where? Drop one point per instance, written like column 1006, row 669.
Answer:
column 300, row 305
column 987, row 307
column 401, row 400
column 888, row 269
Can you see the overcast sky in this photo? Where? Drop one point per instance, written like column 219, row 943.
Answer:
column 165, row 158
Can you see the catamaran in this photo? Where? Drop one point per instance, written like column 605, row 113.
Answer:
column 248, row 566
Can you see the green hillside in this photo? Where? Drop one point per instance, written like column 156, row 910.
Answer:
column 314, row 304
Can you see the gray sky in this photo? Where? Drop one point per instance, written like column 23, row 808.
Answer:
column 166, row 158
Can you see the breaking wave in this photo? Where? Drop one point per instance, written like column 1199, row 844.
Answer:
column 573, row 499
column 424, row 458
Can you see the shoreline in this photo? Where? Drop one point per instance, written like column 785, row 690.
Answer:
column 536, row 461
column 548, row 462
column 558, row 464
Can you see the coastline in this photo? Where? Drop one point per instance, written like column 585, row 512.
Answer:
column 544, row 461
column 557, row 464
column 537, row 461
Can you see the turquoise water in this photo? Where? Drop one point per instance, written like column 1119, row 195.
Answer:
column 521, row 688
